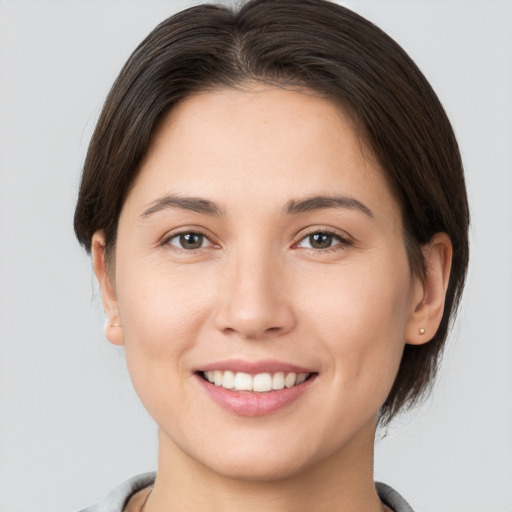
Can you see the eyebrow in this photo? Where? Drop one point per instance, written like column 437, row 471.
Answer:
column 194, row 204
column 308, row 204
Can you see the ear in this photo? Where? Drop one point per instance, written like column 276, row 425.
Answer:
column 429, row 294
column 113, row 327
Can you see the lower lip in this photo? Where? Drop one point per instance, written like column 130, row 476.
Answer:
column 250, row 403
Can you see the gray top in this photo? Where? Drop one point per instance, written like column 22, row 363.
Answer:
column 117, row 498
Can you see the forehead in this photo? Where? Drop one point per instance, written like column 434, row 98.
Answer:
column 258, row 115
column 261, row 142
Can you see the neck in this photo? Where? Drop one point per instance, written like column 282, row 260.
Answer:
column 342, row 481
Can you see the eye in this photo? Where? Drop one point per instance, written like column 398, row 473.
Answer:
column 189, row 241
column 322, row 240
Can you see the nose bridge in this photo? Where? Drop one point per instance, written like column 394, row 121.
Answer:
column 254, row 302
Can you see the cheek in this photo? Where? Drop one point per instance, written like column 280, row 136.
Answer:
column 361, row 319
column 161, row 314
column 162, row 310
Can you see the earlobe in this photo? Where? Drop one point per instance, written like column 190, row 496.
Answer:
column 429, row 294
column 113, row 327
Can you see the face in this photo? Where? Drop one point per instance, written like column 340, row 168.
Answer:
column 259, row 247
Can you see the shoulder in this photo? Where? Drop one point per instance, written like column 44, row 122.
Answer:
column 117, row 498
column 392, row 498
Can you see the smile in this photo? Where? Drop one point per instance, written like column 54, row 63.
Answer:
column 259, row 383
column 255, row 388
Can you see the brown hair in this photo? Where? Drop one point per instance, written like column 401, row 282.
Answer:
column 328, row 49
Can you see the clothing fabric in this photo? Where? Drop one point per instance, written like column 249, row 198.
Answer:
column 117, row 498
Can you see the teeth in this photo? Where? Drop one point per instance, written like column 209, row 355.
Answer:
column 290, row 380
column 301, row 377
column 243, row 382
column 278, row 380
column 217, row 378
column 260, row 383
column 228, row 380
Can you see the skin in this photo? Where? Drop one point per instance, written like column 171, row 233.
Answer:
column 259, row 289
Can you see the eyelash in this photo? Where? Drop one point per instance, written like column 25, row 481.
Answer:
column 342, row 241
column 167, row 240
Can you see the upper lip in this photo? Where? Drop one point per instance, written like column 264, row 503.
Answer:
column 254, row 367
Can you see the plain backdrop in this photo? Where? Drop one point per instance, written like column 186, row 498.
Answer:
column 71, row 427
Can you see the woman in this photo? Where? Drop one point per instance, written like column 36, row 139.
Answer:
column 275, row 206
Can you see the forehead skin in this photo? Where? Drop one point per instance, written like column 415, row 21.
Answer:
column 239, row 129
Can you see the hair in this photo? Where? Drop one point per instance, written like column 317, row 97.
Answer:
column 324, row 48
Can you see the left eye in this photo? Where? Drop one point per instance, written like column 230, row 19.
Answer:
column 189, row 241
column 321, row 240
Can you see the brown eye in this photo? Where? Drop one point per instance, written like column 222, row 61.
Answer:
column 321, row 240
column 189, row 241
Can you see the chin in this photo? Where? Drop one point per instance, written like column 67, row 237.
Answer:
column 265, row 458
column 261, row 468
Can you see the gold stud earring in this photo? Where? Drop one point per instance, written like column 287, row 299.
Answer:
column 422, row 331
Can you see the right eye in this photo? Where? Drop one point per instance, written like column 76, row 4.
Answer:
column 188, row 241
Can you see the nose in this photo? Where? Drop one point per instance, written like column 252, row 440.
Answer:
column 254, row 300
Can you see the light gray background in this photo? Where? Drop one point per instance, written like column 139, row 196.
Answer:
column 71, row 426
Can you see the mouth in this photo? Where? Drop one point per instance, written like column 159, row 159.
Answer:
column 255, row 389
column 265, row 382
